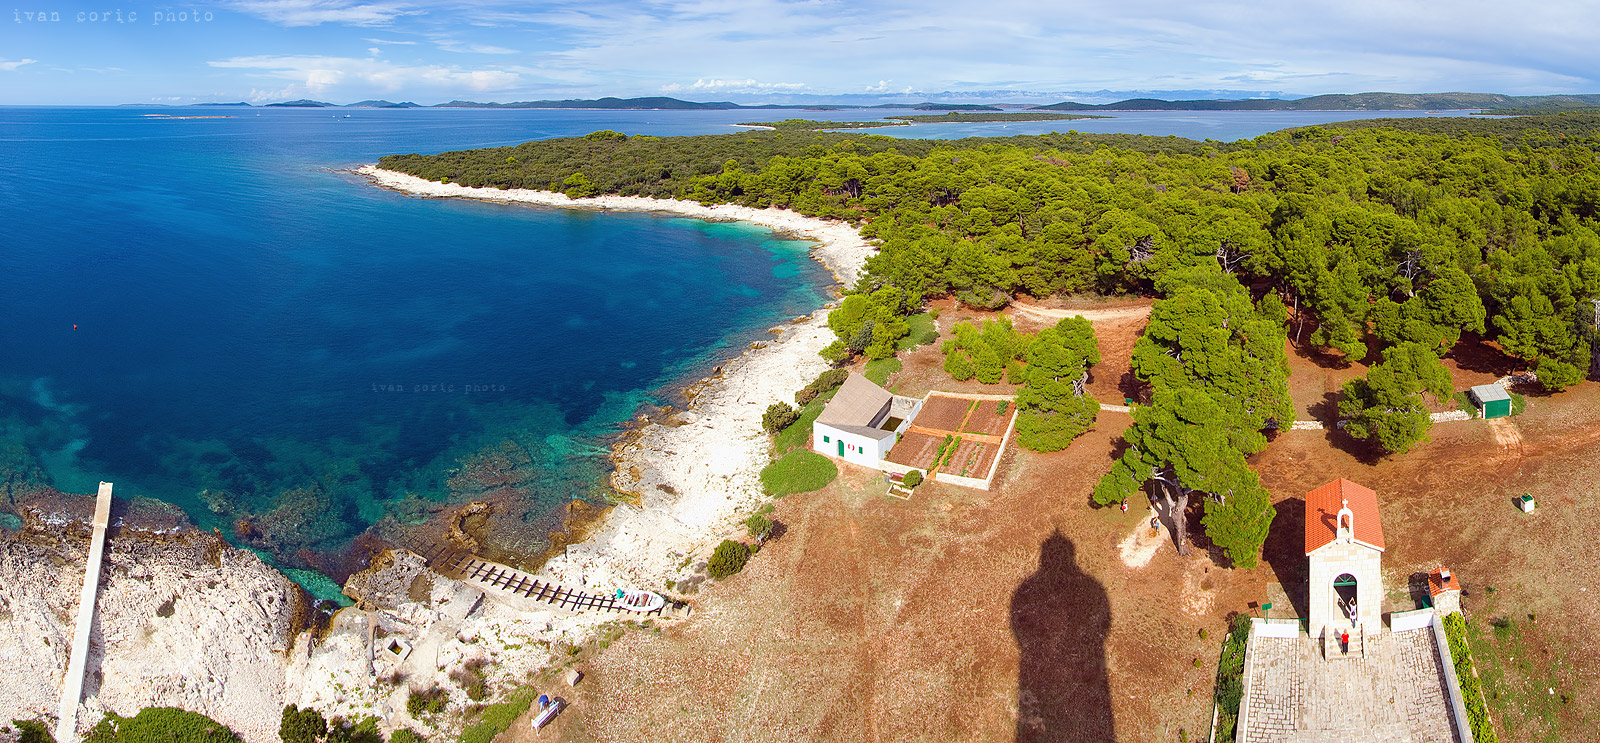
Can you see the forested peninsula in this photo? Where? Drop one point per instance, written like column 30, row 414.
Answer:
column 1373, row 233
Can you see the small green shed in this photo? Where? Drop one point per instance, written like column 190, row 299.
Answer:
column 1492, row 400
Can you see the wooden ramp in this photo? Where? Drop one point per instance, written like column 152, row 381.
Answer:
column 469, row 568
column 72, row 689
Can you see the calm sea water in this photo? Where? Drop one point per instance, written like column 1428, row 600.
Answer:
column 212, row 304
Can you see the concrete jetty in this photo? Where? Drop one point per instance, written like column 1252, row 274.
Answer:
column 72, row 689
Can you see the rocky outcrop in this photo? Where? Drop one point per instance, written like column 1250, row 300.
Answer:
column 182, row 620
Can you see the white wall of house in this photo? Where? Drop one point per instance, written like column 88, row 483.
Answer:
column 858, row 449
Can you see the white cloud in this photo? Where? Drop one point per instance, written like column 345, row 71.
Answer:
column 317, row 12
column 390, row 41
column 324, row 76
column 463, row 47
column 715, row 85
column 10, row 66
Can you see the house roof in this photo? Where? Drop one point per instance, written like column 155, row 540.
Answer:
column 1487, row 392
column 876, row 434
column 1322, row 514
column 856, row 404
column 1438, row 584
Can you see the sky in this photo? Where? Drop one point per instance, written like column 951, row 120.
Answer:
column 100, row 52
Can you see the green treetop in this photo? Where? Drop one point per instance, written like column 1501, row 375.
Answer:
column 1386, row 406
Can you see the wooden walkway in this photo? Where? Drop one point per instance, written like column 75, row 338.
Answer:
column 469, row 568
column 72, row 688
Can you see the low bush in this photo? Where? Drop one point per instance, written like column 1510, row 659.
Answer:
column 1464, row 403
column 301, row 725
column 1230, row 677
column 1518, row 403
column 729, row 558
column 779, row 415
column 407, row 735
column 795, row 436
column 799, row 471
column 430, row 701
column 1455, row 632
column 825, row 382
column 161, row 725
column 758, row 526
column 33, row 731
column 912, row 479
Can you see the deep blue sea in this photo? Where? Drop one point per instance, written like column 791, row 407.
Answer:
column 215, row 305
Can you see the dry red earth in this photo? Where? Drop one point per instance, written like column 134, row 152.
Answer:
column 960, row 615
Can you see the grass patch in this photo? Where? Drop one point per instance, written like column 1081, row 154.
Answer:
column 1518, row 403
column 800, row 471
column 1455, row 631
column 798, row 432
column 1464, row 404
column 924, row 332
column 878, row 370
column 1230, row 677
column 496, row 718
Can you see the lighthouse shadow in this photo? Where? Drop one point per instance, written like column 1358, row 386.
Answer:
column 1060, row 617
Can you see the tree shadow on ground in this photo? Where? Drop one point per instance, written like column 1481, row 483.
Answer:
column 1060, row 617
column 1473, row 354
column 1132, row 388
column 1365, row 452
column 1285, row 552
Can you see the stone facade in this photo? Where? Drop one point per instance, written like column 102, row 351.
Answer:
column 1341, row 556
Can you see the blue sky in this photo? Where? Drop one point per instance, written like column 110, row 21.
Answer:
column 767, row 50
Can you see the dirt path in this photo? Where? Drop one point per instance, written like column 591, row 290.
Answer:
column 1120, row 313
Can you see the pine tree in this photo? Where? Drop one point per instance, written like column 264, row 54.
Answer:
column 1386, row 407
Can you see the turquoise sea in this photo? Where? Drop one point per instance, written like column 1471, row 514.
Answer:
column 213, row 313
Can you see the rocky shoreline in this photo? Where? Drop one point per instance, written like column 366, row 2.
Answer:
column 694, row 473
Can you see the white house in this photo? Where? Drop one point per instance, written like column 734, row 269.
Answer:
column 860, row 424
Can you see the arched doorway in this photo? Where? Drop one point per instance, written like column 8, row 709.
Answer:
column 1344, row 590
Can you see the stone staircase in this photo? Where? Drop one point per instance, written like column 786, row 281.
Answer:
column 1332, row 649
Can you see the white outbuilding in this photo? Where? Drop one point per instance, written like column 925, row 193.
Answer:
column 860, row 424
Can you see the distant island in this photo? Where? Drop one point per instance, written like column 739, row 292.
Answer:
column 1346, row 102
column 653, row 103
column 1491, row 103
column 814, row 125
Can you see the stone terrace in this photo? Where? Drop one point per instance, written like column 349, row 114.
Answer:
column 1396, row 693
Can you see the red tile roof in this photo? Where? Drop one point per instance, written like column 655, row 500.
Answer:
column 1438, row 584
column 1322, row 513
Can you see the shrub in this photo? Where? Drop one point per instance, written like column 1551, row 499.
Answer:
column 364, row 730
column 1518, row 403
column 794, row 437
column 912, row 478
column 758, row 526
column 922, row 331
column 406, row 735
column 470, row 677
column 301, row 725
column 1455, row 632
column 606, row 135
column 825, row 382
column 161, row 725
column 799, row 471
column 1464, row 403
column 779, row 415
column 729, row 558
column 33, row 731
column 426, row 701
column 1230, row 677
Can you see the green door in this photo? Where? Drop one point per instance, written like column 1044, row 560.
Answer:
column 841, row 447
